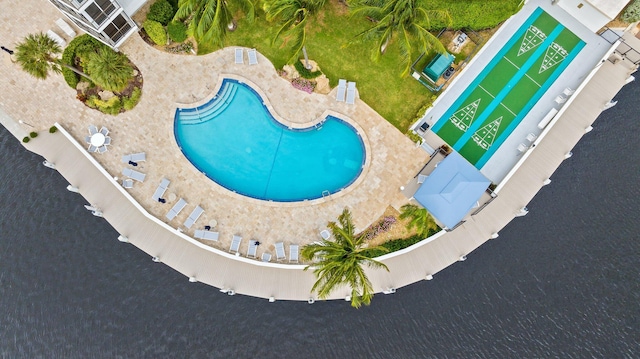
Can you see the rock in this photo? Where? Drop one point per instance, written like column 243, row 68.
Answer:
column 82, row 86
column 292, row 73
column 322, row 85
column 135, row 73
column 105, row 95
column 313, row 64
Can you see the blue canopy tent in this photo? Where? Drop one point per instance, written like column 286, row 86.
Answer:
column 452, row 189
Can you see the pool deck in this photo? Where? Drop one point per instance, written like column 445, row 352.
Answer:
column 171, row 79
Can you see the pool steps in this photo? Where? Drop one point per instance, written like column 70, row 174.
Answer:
column 211, row 109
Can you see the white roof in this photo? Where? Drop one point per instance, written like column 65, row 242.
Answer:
column 611, row 8
column 131, row 6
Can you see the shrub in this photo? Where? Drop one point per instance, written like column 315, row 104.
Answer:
column 78, row 47
column 177, row 31
column 53, row 129
column 33, row 134
column 304, row 72
column 91, row 101
column 632, row 12
column 111, row 107
column 132, row 101
column 304, row 85
column 155, row 31
column 161, row 11
column 26, row 139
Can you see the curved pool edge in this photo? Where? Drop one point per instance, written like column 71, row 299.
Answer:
column 364, row 170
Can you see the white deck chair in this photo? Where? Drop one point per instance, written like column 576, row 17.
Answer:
column 235, row 244
column 239, row 56
column 211, row 236
column 293, row 253
column 351, row 93
column 127, row 183
column 193, row 217
column 199, row 233
column 325, row 234
column 138, row 176
column 342, row 89
column 266, row 257
column 162, row 188
column 280, row 251
column 55, row 37
column 173, row 212
column 253, row 56
column 92, row 130
column 253, row 249
column 138, row 157
column 66, row 28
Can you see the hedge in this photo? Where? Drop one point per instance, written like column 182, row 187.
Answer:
column 156, row 32
column 632, row 12
column 76, row 47
column 161, row 11
column 177, row 31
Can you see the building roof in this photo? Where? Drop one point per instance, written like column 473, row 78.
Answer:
column 452, row 189
column 611, row 8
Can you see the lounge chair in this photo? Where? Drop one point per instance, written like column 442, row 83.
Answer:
column 193, row 217
column 253, row 249
column 107, row 140
column 138, row 157
column 325, row 234
column 235, row 244
column 239, row 56
column 280, row 251
column 342, row 89
column 104, row 131
column 173, row 212
column 351, row 93
column 127, row 183
column 102, row 149
column 162, row 188
column 92, row 130
column 138, row 176
column 55, row 37
column 253, row 56
column 208, row 235
column 266, row 257
column 293, row 253
column 66, row 28
column 92, row 148
column 422, row 178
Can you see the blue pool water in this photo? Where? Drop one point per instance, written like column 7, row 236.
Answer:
column 236, row 142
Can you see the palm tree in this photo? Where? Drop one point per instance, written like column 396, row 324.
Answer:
column 406, row 21
column 293, row 14
column 109, row 69
column 420, row 219
column 341, row 262
column 38, row 55
column 209, row 20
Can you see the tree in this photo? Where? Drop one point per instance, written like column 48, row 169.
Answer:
column 209, row 20
column 420, row 219
column 38, row 55
column 405, row 21
column 109, row 69
column 341, row 262
column 294, row 15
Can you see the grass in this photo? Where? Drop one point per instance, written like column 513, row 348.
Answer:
column 330, row 42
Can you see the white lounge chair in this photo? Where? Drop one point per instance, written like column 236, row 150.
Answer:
column 342, row 90
column 253, row 56
column 351, row 93
column 138, row 176
column 55, row 37
column 293, row 253
column 325, row 234
column 92, row 130
column 208, row 235
column 266, row 257
column 66, row 28
column 127, row 183
column 422, row 178
column 253, row 249
column 138, row 157
column 173, row 212
column 239, row 56
column 193, row 217
column 162, row 188
column 280, row 251
column 235, row 244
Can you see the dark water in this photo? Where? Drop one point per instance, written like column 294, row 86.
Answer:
column 561, row 282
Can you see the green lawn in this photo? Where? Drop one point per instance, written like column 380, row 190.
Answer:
column 331, row 44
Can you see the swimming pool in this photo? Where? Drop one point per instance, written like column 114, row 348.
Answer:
column 236, row 142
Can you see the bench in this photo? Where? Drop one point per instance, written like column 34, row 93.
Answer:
column 547, row 118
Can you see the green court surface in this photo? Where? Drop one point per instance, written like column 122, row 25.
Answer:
column 497, row 100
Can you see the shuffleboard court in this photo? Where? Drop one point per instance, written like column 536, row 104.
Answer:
column 481, row 119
